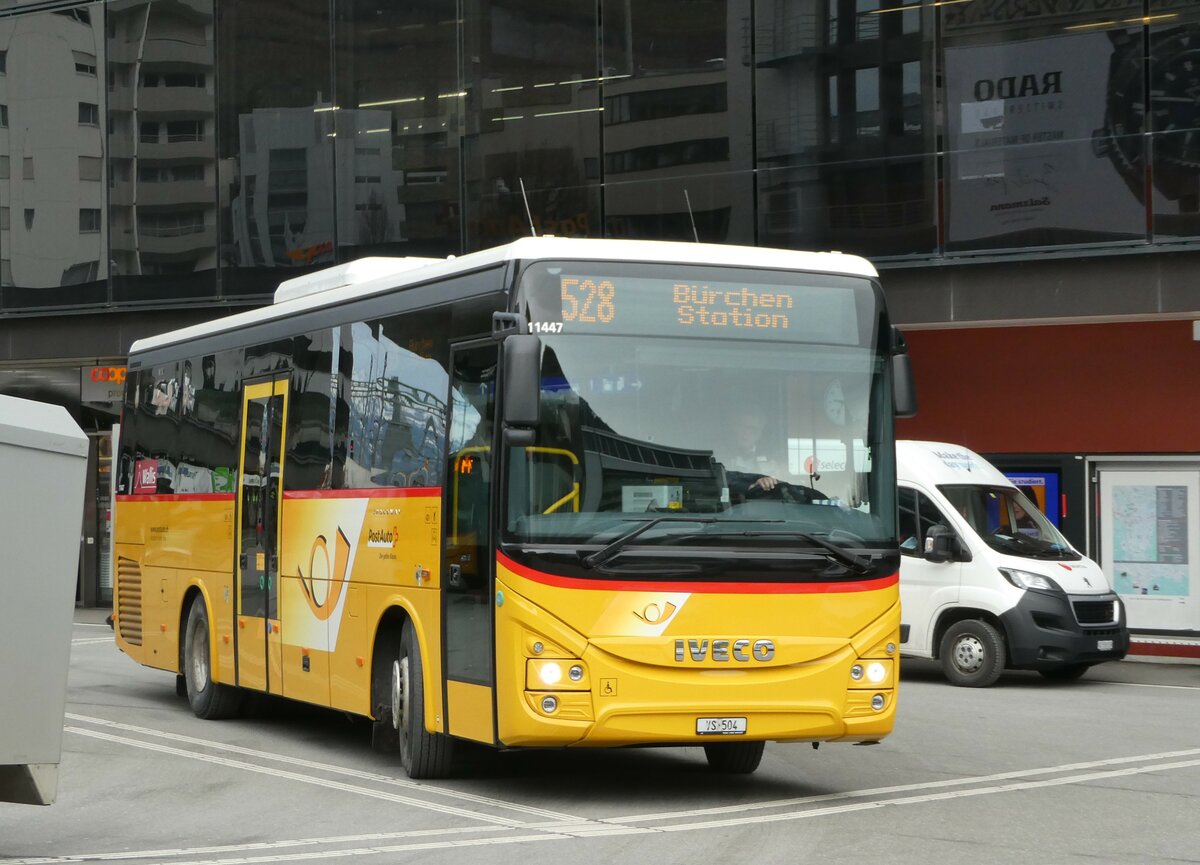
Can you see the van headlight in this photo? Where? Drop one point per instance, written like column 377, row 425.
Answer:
column 1026, row 580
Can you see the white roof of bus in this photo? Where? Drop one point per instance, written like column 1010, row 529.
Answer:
column 342, row 283
column 933, row 464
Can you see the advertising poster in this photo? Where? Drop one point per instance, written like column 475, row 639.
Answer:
column 1042, row 489
column 1029, row 146
column 1150, row 548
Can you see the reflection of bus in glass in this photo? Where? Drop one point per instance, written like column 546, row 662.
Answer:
column 658, row 507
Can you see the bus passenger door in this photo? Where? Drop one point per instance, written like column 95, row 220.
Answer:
column 259, row 494
column 467, row 612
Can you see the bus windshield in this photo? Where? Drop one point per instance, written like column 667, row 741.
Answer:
column 727, row 407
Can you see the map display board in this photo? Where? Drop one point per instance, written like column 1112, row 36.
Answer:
column 1150, row 547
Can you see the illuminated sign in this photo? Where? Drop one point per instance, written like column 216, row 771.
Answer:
column 630, row 299
column 101, row 383
column 696, row 304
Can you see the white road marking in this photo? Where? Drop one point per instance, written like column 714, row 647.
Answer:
column 1146, row 685
column 609, row 827
column 296, row 776
column 326, row 767
column 905, row 788
column 84, row 641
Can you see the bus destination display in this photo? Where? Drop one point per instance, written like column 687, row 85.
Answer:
column 633, row 305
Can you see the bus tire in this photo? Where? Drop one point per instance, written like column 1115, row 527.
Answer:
column 972, row 654
column 1065, row 673
column 734, row 758
column 423, row 754
column 208, row 699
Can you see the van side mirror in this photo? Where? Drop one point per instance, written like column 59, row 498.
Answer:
column 943, row 545
column 904, row 389
column 522, row 387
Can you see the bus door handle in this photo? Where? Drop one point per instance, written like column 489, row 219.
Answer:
column 244, row 560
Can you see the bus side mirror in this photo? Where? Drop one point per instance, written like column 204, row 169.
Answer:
column 522, row 387
column 942, row 545
column 904, row 390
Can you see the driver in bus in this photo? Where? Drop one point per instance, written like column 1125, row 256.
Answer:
column 751, row 469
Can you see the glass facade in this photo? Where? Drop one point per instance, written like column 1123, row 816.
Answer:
column 167, row 152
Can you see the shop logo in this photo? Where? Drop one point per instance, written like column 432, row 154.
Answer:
column 1017, row 87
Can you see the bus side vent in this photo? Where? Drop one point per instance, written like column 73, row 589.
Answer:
column 129, row 600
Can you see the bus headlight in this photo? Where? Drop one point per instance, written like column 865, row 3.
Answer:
column 873, row 674
column 561, row 674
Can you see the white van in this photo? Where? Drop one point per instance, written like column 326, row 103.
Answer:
column 987, row 582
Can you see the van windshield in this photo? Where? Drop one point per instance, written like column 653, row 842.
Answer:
column 1008, row 522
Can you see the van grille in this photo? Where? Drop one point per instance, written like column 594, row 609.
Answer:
column 1095, row 612
column 129, row 600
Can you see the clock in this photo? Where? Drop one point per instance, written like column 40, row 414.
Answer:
column 835, row 402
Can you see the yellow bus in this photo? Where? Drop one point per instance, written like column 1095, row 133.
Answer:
column 561, row 493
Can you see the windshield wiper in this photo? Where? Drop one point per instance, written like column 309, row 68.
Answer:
column 618, row 543
column 853, row 561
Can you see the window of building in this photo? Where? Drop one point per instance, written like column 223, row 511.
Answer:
column 4, row 168
column 866, row 102
column 89, row 220
column 185, row 130
column 29, row 218
column 3, row 62
column 89, row 114
column 85, row 64
column 4, row 116
column 5, row 272
column 4, row 218
column 27, row 168
column 668, row 155
column 149, row 132
column 90, row 167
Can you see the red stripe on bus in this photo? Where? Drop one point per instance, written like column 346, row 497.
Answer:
column 797, row 588
column 178, row 497
column 370, row 493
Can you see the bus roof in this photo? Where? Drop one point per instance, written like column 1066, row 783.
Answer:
column 367, row 277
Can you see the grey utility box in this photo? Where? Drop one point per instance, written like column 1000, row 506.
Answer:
column 43, row 470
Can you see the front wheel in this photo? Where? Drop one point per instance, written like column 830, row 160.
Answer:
column 1065, row 673
column 423, row 754
column 208, row 699
column 972, row 654
column 734, row 758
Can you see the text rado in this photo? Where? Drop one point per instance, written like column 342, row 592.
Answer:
column 743, row 651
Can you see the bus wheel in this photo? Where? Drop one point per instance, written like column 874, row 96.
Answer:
column 1065, row 673
column 734, row 758
column 423, row 754
column 208, row 699
column 972, row 654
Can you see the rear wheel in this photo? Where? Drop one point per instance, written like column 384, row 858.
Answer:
column 1065, row 673
column 734, row 758
column 972, row 654
column 423, row 754
column 208, row 699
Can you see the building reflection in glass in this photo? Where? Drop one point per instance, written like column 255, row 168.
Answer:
column 845, row 140
column 533, row 118
column 53, row 235
column 162, row 150
column 276, row 128
column 677, row 120
column 399, row 122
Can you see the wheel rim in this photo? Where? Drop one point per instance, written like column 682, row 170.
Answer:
column 400, row 699
column 199, row 660
column 969, row 654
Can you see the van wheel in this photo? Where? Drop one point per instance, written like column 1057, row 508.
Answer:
column 734, row 758
column 972, row 654
column 423, row 754
column 1065, row 673
column 208, row 699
